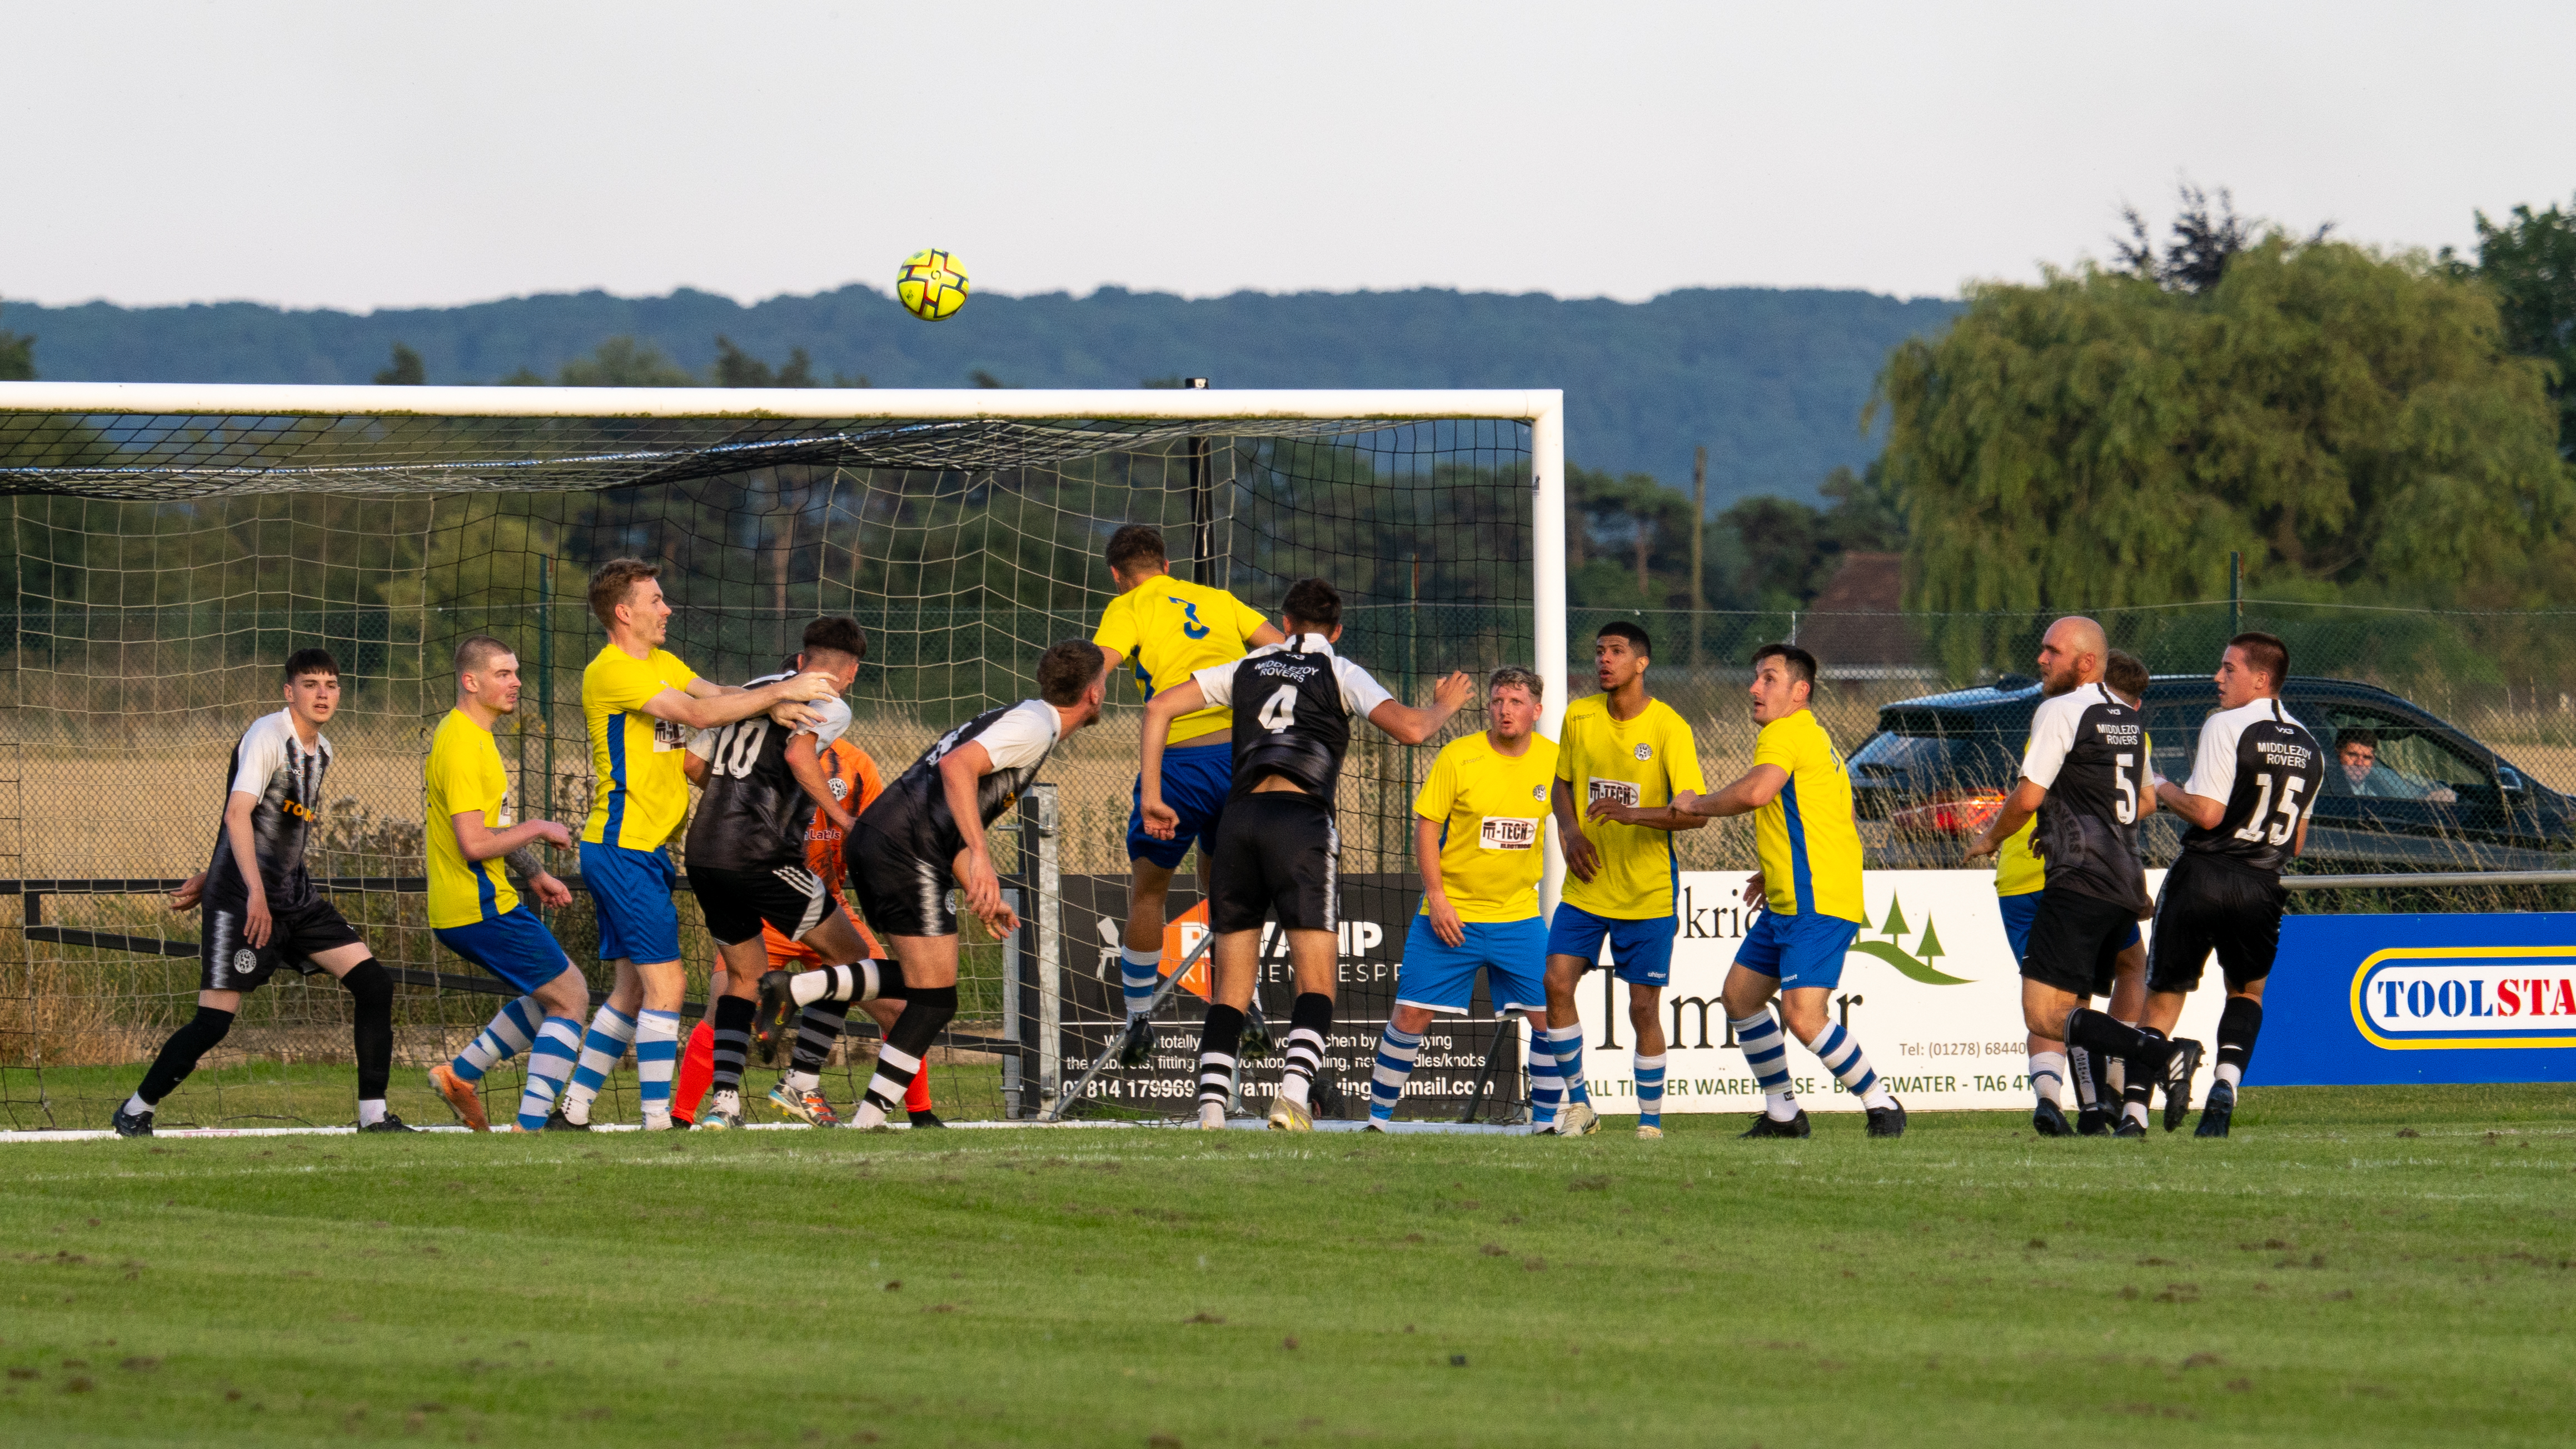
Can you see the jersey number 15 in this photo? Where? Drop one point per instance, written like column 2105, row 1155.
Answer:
column 2289, row 812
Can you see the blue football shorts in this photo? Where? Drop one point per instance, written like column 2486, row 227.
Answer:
column 1442, row 977
column 514, row 946
column 1641, row 952
column 1801, row 950
column 632, row 891
column 1196, row 780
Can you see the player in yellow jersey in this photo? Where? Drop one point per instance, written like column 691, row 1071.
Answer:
column 1165, row 631
column 1478, row 833
column 2020, row 875
column 474, row 912
column 641, row 702
column 1623, row 757
column 1800, row 796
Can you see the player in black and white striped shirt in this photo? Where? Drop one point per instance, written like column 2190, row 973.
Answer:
column 261, row 909
column 2253, row 780
column 926, row 836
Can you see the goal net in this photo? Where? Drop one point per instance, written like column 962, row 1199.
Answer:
column 170, row 545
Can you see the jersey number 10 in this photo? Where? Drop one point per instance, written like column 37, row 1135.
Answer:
column 738, row 748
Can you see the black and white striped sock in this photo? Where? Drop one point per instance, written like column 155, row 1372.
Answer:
column 732, row 1022
column 1310, row 1022
column 1220, row 1044
column 818, row 1028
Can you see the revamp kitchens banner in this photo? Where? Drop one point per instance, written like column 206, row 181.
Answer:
column 1930, row 988
column 2363, row 1000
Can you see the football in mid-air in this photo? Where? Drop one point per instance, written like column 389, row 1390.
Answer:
column 932, row 285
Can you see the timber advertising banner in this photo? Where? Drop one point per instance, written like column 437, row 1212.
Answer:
column 1930, row 989
column 1376, row 910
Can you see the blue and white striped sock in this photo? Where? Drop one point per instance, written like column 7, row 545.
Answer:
column 558, row 1040
column 1139, row 972
column 505, row 1037
column 1396, row 1051
column 1567, row 1043
column 1547, row 1090
column 657, row 1055
column 611, row 1031
column 1649, row 1072
column 1766, row 1051
column 1840, row 1051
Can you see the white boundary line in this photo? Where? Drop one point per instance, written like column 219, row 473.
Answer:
column 1240, row 1124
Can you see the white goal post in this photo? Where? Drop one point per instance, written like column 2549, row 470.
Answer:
column 131, row 444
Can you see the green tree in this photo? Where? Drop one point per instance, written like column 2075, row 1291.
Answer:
column 624, row 361
column 2530, row 264
column 407, row 369
column 2350, row 421
column 737, row 368
column 17, row 357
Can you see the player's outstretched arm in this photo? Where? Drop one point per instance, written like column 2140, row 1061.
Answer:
column 1162, row 820
column 1435, row 891
column 2023, row 803
column 1757, row 787
column 1408, row 725
column 705, row 705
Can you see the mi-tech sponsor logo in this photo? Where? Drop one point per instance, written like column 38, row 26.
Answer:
column 2449, row 997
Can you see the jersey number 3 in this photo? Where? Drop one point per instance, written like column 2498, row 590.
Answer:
column 1280, row 710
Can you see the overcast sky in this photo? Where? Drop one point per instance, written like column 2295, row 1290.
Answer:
column 365, row 156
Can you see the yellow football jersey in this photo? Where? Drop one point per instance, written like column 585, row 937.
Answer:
column 464, row 773
column 1808, row 840
column 1642, row 761
column 638, row 793
column 1169, row 630
column 1492, row 810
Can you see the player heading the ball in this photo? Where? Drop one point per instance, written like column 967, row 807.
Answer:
column 1276, row 847
column 924, row 837
column 640, row 703
column 1800, row 796
column 1167, row 630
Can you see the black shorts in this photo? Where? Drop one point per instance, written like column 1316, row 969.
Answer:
column 898, row 892
column 2076, row 941
column 226, row 962
column 735, row 902
column 2208, row 905
column 1275, row 850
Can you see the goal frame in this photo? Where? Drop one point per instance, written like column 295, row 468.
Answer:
column 1541, row 409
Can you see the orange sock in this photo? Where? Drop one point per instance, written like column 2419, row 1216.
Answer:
column 916, row 1098
column 697, row 1072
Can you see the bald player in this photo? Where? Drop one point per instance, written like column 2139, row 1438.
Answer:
column 2085, row 776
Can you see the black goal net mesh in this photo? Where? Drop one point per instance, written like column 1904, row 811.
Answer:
column 161, row 568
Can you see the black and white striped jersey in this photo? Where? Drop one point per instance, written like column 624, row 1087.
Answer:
column 2268, row 768
column 2089, row 750
column 751, row 813
column 272, row 765
column 1292, row 704
column 913, row 812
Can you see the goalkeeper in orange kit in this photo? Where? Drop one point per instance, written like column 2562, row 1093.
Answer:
column 799, row 1093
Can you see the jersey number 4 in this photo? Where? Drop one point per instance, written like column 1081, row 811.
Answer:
column 1280, row 710
column 2289, row 812
column 738, row 748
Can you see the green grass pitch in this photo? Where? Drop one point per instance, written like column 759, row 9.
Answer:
column 2356, row 1267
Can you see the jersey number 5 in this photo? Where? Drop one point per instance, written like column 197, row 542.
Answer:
column 2280, row 834
column 1280, row 710
column 2127, row 809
